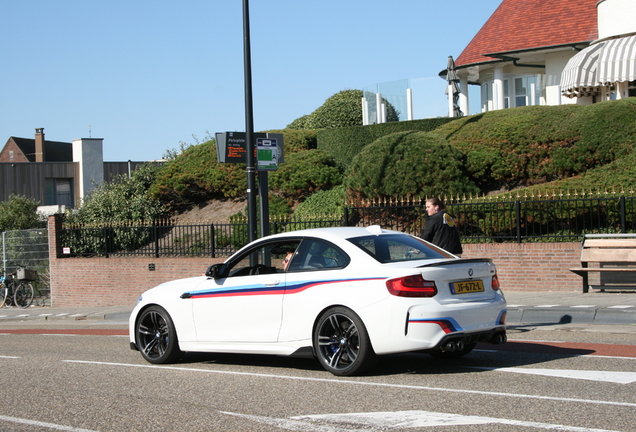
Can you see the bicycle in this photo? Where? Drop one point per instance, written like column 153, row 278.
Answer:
column 18, row 290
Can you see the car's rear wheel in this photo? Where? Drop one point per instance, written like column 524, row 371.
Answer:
column 342, row 343
column 156, row 336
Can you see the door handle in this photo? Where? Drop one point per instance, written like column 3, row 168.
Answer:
column 272, row 282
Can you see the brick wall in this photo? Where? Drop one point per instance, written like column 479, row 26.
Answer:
column 532, row 266
column 88, row 282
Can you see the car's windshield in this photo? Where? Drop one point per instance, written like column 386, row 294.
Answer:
column 397, row 247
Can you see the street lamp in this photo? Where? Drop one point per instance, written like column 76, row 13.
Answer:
column 249, row 127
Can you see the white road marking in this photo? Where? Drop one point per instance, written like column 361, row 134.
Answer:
column 10, row 357
column 383, row 421
column 360, row 383
column 603, row 376
column 43, row 424
column 620, row 307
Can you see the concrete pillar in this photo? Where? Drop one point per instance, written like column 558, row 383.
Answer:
column 89, row 153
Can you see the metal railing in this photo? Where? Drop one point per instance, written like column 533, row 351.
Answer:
column 479, row 221
column 161, row 239
column 485, row 221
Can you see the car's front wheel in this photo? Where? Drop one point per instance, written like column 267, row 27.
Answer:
column 156, row 336
column 342, row 343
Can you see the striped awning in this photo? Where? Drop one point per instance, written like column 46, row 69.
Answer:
column 579, row 75
column 617, row 62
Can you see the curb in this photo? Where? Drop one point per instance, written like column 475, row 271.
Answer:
column 571, row 315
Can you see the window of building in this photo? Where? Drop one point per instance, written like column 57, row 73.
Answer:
column 521, row 92
column 486, row 96
column 59, row 192
column 518, row 91
column 506, row 94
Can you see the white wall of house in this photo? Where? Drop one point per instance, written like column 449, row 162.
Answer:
column 616, row 17
column 554, row 65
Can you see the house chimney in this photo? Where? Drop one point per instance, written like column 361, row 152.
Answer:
column 39, row 144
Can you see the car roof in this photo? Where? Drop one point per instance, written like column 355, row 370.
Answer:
column 338, row 232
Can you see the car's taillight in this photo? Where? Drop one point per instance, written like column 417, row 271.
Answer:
column 495, row 283
column 411, row 286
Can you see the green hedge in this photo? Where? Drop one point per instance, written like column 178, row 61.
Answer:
column 343, row 144
column 540, row 144
column 402, row 164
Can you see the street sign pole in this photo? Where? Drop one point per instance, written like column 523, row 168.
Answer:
column 249, row 128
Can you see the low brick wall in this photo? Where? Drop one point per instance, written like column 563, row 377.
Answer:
column 532, row 266
column 96, row 282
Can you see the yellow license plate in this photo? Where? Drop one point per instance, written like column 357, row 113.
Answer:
column 465, row 287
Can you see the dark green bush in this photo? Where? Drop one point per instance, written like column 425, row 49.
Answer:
column 405, row 164
column 340, row 110
column 298, row 140
column 343, row 144
column 195, row 176
column 303, row 174
column 530, row 145
column 325, row 202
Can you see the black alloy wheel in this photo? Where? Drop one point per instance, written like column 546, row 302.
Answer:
column 342, row 343
column 156, row 336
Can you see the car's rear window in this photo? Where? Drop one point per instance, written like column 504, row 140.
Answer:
column 397, row 247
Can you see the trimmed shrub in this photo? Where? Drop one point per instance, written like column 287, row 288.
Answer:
column 303, row 174
column 325, row 202
column 195, row 176
column 340, row 110
column 343, row 144
column 531, row 145
column 418, row 164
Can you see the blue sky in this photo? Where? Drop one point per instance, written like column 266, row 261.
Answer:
column 147, row 75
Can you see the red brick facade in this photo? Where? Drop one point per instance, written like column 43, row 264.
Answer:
column 12, row 153
column 86, row 282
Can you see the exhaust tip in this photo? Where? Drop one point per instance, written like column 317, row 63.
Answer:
column 449, row 347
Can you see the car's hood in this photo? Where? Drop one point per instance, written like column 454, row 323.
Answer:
column 178, row 286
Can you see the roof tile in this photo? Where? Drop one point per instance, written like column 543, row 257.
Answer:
column 525, row 24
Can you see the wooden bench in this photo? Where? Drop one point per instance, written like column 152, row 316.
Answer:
column 613, row 257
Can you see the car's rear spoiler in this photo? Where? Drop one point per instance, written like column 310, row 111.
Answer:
column 456, row 261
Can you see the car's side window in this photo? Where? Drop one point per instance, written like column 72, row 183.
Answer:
column 266, row 258
column 314, row 254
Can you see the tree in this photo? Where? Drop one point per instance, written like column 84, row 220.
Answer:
column 125, row 199
column 19, row 213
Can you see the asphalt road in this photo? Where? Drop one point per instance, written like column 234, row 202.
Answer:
column 86, row 378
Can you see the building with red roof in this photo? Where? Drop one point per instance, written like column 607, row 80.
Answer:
column 541, row 52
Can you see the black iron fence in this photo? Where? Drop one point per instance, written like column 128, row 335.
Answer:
column 487, row 220
column 481, row 220
column 166, row 239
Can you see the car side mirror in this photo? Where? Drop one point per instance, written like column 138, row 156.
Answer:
column 214, row 271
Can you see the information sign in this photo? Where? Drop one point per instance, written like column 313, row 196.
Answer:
column 268, row 149
column 267, row 154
